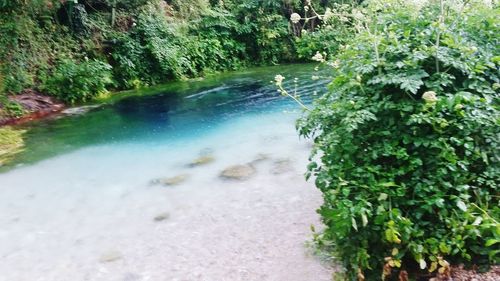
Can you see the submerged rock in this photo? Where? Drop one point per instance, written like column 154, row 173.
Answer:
column 132, row 277
column 238, row 172
column 176, row 180
column 110, row 256
column 281, row 166
column 202, row 160
column 162, row 217
column 260, row 158
column 206, row 151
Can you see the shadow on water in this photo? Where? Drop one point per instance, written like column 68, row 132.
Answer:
column 166, row 113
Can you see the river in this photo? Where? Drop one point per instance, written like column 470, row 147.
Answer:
column 132, row 188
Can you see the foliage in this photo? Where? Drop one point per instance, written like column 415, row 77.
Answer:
column 215, row 45
column 71, row 82
column 406, row 140
column 149, row 41
column 327, row 38
column 29, row 43
column 264, row 28
column 11, row 143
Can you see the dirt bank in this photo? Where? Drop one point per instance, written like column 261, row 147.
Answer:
column 34, row 105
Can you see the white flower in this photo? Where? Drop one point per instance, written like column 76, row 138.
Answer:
column 306, row 8
column 419, row 4
column 335, row 64
column 357, row 14
column 295, row 18
column 279, row 78
column 318, row 57
column 315, row 77
column 430, row 97
column 328, row 14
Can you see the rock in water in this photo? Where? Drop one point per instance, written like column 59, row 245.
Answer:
column 281, row 166
column 162, row 217
column 202, row 160
column 110, row 256
column 79, row 110
column 238, row 172
column 132, row 277
column 260, row 158
column 206, row 151
column 176, row 180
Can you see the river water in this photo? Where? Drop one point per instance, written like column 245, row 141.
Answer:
column 131, row 189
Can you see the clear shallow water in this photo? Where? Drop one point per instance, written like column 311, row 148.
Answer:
column 81, row 205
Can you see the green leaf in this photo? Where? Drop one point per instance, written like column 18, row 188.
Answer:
column 389, row 184
column 382, row 196
column 461, row 205
column 491, row 242
column 354, row 224
column 364, row 219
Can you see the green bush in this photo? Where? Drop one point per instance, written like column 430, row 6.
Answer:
column 29, row 43
column 407, row 141
column 76, row 82
column 328, row 37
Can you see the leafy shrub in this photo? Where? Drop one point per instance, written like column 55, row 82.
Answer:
column 75, row 82
column 11, row 143
column 127, row 59
column 407, row 141
column 29, row 45
column 214, row 45
column 327, row 37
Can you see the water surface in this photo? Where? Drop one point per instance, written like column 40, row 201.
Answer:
column 79, row 203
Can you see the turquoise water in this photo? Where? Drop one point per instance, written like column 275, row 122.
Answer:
column 80, row 203
column 170, row 113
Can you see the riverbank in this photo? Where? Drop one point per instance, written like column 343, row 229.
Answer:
column 32, row 105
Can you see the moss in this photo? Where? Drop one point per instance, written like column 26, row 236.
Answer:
column 11, row 143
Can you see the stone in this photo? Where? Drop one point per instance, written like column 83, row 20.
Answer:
column 110, row 256
column 281, row 166
column 132, row 277
column 79, row 110
column 260, row 158
column 238, row 172
column 202, row 160
column 162, row 217
column 206, row 151
column 176, row 180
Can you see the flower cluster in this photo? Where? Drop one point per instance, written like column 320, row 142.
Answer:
column 319, row 57
column 295, row 18
column 279, row 79
column 430, row 97
column 328, row 14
